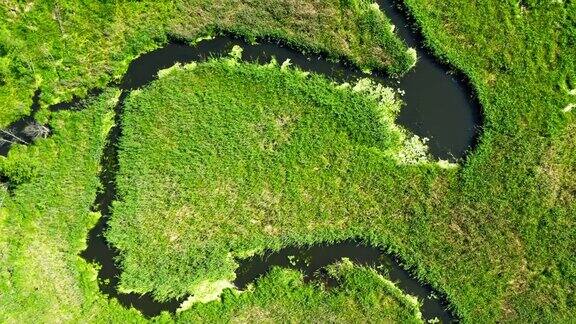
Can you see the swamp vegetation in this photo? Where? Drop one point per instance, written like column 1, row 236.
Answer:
column 209, row 173
column 496, row 234
column 361, row 296
column 65, row 48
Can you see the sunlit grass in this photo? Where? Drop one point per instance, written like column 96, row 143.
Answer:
column 223, row 159
column 67, row 48
column 361, row 296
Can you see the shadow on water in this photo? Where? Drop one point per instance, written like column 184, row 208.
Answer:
column 26, row 130
column 77, row 103
column 440, row 105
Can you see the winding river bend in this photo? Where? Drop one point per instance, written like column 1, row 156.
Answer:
column 439, row 105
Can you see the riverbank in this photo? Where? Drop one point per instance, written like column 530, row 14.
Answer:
column 82, row 47
column 278, row 134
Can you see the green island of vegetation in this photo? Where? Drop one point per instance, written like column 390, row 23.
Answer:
column 209, row 172
column 496, row 234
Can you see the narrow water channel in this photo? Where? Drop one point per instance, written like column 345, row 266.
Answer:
column 439, row 105
column 440, row 102
column 311, row 259
column 19, row 132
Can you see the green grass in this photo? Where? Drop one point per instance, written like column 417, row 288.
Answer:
column 43, row 225
column 68, row 47
column 496, row 235
column 209, row 172
column 512, row 226
column 361, row 296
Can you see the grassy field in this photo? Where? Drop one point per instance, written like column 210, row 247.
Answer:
column 43, row 224
column 67, row 47
column 45, row 220
column 209, row 172
column 512, row 226
column 496, row 235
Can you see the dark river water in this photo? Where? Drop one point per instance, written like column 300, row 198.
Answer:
column 311, row 259
column 440, row 105
column 440, row 101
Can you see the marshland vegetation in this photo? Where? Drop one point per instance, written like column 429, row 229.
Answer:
column 66, row 48
column 209, row 172
column 496, row 235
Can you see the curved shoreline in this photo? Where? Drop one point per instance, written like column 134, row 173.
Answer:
column 143, row 70
column 433, row 99
column 311, row 260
